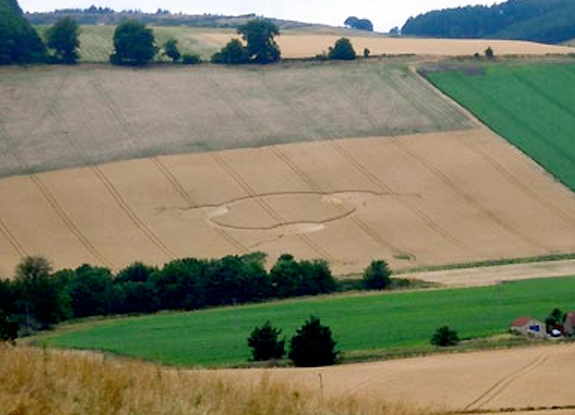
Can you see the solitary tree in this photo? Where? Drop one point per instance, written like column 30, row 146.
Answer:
column 62, row 37
column 259, row 34
column 266, row 344
column 313, row 345
column 133, row 44
column 444, row 336
column 377, row 276
column 342, row 50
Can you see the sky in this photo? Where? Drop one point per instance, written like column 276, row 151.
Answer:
column 383, row 14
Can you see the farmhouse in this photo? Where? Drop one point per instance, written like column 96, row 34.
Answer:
column 569, row 324
column 528, row 326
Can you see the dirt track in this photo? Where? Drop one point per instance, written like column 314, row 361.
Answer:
column 493, row 275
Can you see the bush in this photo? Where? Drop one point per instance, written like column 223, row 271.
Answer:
column 377, row 276
column 265, row 343
column 8, row 329
column 342, row 50
column 171, row 50
column 234, row 53
column 313, row 345
column 444, row 336
column 191, row 59
column 489, row 53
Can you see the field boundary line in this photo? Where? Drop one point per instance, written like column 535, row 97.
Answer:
column 501, row 385
column 422, row 215
column 265, row 206
column 465, row 196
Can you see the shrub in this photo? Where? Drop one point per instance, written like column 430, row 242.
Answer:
column 191, row 59
column 313, row 345
column 8, row 329
column 171, row 50
column 233, row 53
column 342, row 50
column 265, row 343
column 489, row 53
column 444, row 336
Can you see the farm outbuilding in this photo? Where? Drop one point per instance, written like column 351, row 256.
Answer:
column 528, row 326
column 569, row 324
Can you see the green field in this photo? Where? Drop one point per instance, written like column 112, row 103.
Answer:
column 360, row 323
column 532, row 106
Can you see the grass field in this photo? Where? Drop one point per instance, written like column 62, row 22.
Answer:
column 532, row 106
column 359, row 323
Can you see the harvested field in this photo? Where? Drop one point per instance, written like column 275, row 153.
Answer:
column 408, row 200
column 537, row 377
column 309, row 45
column 53, row 118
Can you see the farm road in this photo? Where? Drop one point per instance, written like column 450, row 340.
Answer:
column 482, row 276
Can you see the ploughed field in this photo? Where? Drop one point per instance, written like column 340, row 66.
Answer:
column 452, row 193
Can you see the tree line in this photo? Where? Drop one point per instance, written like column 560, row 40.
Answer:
column 135, row 44
column 547, row 21
column 37, row 297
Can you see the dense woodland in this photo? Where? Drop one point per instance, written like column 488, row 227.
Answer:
column 546, row 21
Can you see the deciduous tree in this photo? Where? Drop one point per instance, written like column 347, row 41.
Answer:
column 134, row 44
column 63, row 39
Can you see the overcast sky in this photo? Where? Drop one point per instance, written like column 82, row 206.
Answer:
column 383, row 14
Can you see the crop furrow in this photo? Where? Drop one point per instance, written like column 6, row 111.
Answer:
column 467, row 197
column 448, row 236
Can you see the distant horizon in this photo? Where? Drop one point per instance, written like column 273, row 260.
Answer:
column 332, row 12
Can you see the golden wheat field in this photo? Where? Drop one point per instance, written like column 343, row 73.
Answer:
column 406, row 199
column 305, row 45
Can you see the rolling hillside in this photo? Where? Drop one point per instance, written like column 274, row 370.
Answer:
column 433, row 198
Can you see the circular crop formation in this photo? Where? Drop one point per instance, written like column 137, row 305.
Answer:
column 286, row 212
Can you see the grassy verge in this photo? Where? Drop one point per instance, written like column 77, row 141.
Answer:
column 362, row 324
